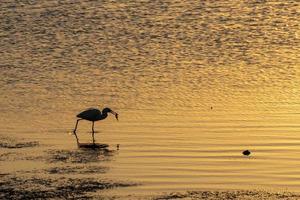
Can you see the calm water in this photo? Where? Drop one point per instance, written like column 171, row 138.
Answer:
column 194, row 82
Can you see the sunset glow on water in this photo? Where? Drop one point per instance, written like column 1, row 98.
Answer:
column 194, row 83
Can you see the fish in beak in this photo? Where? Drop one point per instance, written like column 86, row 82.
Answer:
column 116, row 114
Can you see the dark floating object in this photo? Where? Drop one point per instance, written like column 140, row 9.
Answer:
column 118, row 146
column 246, row 152
column 92, row 115
column 211, row 107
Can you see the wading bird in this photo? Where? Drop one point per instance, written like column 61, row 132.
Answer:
column 93, row 115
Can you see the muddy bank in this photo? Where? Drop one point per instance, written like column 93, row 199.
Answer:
column 13, row 187
column 53, row 173
column 10, row 143
column 80, row 155
column 225, row 195
column 77, row 170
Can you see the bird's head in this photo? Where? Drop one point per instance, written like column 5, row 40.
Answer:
column 108, row 110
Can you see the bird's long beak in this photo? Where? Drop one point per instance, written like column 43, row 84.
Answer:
column 116, row 114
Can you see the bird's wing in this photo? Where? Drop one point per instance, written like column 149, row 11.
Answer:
column 89, row 114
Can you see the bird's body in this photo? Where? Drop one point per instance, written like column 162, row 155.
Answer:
column 93, row 114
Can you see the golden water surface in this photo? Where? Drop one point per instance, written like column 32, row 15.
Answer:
column 195, row 83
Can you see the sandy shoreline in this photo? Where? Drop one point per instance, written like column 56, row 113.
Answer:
column 225, row 195
column 71, row 174
column 22, row 187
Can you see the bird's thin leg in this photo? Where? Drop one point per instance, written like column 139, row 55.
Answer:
column 93, row 133
column 76, row 139
column 74, row 131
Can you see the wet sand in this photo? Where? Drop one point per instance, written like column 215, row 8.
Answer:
column 22, row 187
column 56, row 182
column 16, row 187
column 225, row 195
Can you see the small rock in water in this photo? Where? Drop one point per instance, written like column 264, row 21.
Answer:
column 246, row 152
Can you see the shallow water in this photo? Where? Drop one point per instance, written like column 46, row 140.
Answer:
column 194, row 84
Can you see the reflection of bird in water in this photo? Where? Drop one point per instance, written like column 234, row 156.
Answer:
column 246, row 152
column 93, row 115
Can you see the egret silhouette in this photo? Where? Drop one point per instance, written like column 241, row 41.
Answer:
column 93, row 114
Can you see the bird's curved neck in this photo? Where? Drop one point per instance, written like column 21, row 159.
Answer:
column 103, row 115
